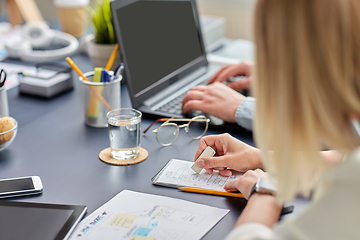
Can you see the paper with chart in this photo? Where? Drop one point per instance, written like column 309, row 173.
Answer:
column 178, row 173
column 139, row 216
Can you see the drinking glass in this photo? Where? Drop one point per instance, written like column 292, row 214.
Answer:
column 124, row 133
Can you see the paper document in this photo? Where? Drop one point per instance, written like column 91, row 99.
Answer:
column 178, row 173
column 139, row 216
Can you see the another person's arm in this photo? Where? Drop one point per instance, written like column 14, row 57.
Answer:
column 245, row 112
column 215, row 99
column 220, row 100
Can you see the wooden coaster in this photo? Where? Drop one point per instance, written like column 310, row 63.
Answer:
column 106, row 157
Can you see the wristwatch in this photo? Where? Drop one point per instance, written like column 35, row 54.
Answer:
column 263, row 185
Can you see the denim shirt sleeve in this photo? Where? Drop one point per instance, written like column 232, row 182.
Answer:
column 245, row 113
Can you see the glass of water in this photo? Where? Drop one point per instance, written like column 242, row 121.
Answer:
column 124, row 133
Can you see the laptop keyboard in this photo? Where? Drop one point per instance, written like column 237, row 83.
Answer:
column 175, row 105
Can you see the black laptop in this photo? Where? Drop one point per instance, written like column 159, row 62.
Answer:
column 163, row 51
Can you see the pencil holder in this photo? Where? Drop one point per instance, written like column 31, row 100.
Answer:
column 94, row 109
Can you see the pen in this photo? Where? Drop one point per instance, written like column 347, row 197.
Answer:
column 119, row 70
column 3, row 76
column 98, row 95
column 105, row 75
column 212, row 192
column 112, row 57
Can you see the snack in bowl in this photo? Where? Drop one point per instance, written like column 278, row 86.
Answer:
column 6, row 124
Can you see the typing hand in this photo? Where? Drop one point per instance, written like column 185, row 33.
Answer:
column 241, row 69
column 230, row 154
column 216, row 99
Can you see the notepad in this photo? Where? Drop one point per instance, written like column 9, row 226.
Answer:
column 178, row 173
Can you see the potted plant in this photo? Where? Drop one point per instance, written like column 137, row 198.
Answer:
column 101, row 43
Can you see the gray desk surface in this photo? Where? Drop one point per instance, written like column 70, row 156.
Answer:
column 54, row 143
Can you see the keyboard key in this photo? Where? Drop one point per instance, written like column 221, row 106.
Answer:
column 175, row 105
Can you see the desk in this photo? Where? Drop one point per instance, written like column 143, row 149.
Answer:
column 54, row 143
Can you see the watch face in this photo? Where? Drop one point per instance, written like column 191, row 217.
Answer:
column 264, row 185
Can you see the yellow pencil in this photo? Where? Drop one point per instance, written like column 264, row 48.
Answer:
column 212, row 192
column 112, row 57
column 97, row 93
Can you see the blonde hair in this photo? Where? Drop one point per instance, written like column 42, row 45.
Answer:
column 307, row 85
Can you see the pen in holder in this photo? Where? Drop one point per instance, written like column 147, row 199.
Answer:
column 95, row 110
column 4, row 107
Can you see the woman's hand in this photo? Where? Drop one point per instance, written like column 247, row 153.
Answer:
column 230, row 154
column 245, row 183
column 260, row 208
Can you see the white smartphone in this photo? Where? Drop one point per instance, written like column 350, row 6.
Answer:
column 20, row 186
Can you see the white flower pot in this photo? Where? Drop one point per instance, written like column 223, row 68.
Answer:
column 100, row 53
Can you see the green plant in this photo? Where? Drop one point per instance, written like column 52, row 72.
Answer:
column 101, row 22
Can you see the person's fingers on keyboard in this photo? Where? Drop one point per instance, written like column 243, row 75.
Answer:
column 241, row 84
column 231, row 71
column 241, row 69
column 215, row 76
column 200, row 88
column 192, row 105
column 193, row 95
column 192, row 99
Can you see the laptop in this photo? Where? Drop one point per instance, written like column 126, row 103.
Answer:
column 163, row 51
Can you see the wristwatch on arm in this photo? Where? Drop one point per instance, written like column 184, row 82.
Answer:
column 265, row 186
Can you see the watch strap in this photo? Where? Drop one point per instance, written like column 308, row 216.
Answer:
column 285, row 209
column 253, row 190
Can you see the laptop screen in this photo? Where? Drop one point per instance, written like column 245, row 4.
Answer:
column 158, row 38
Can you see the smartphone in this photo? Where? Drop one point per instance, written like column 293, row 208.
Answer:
column 20, row 186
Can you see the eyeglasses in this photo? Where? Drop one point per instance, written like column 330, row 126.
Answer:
column 167, row 133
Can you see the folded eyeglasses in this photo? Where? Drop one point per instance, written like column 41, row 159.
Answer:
column 167, row 133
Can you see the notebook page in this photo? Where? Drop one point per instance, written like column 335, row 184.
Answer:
column 178, row 173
